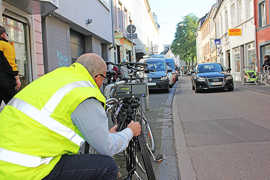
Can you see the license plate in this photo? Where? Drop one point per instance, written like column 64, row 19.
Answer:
column 216, row 83
column 151, row 84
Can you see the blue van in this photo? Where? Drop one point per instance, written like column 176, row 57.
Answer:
column 157, row 73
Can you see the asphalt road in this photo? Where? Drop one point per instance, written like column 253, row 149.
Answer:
column 222, row 135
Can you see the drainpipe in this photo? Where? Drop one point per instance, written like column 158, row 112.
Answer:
column 1, row 18
column 113, row 40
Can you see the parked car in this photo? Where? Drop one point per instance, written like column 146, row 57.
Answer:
column 174, row 77
column 211, row 76
column 157, row 73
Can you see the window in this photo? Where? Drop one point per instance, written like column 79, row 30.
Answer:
column 239, row 12
column 249, row 9
column 17, row 34
column 236, row 58
column 233, row 23
column 262, row 14
column 221, row 25
column 226, row 21
column 250, row 61
column 265, row 50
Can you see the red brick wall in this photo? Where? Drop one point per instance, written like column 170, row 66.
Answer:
column 38, row 45
column 262, row 34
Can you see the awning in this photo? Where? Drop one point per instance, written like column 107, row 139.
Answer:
column 42, row 7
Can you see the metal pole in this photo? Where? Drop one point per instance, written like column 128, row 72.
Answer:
column 113, row 40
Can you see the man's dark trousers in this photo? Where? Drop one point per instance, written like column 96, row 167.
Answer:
column 84, row 167
column 7, row 87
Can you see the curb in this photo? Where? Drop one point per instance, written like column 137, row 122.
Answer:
column 185, row 166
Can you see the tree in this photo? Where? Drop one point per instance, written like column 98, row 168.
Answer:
column 184, row 43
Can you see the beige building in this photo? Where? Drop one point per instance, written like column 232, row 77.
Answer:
column 147, row 27
column 206, row 48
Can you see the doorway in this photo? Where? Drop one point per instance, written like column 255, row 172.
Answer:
column 228, row 58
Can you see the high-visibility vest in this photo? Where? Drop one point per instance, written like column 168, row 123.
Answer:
column 36, row 127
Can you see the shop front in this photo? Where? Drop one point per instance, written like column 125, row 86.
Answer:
column 22, row 22
column 124, row 48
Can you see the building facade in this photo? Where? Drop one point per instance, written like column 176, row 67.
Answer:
column 203, row 40
column 124, row 46
column 147, row 28
column 236, row 52
column 76, row 28
column 22, row 21
column 262, row 23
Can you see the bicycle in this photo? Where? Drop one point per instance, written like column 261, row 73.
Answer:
column 264, row 77
column 123, row 106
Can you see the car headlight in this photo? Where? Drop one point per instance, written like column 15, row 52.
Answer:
column 164, row 78
column 201, row 79
column 229, row 78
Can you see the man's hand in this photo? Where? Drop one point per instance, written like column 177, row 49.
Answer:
column 18, row 83
column 135, row 128
column 113, row 129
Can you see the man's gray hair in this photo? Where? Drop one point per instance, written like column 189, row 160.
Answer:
column 93, row 63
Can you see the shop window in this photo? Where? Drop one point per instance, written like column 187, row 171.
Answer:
column 237, row 59
column 250, row 61
column 17, row 34
column 265, row 50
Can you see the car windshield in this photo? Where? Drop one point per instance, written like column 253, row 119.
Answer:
column 156, row 66
column 171, row 65
column 209, row 68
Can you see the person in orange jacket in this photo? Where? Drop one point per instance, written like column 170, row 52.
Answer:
column 9, row 79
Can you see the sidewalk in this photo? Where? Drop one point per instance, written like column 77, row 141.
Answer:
column 262, row 89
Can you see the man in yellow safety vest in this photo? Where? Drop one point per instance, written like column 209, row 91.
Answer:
column 44, row 125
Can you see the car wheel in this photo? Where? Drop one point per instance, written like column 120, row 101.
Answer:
column 231, row 88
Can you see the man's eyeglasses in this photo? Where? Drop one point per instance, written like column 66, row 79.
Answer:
column 102, row 75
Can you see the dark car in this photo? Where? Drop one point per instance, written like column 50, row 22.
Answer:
column 157, row 74
column 211, row 76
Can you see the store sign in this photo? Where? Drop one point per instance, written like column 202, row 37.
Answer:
column 235, row 32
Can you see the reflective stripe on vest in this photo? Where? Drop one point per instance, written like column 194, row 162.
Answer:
column 22, row 159
column 43, row 117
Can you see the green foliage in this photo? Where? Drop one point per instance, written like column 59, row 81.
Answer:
column 184, row 43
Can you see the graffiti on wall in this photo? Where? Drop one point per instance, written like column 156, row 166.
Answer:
column 62, row 59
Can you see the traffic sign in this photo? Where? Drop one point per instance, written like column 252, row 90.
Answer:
column 235, row 32
column 131, row 29
column 217, row 42
column 132, row 36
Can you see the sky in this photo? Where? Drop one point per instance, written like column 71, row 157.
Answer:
column 171, row 12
